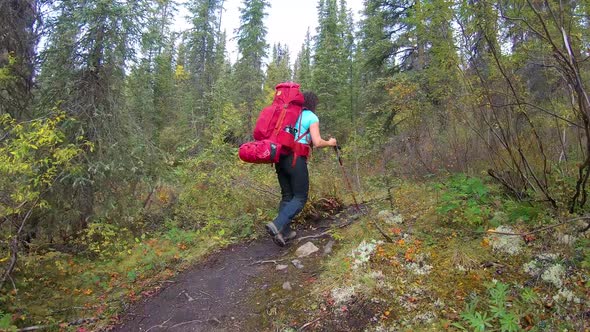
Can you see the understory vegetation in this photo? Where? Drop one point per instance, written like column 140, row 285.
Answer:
column 464, row 128
column 408, row 264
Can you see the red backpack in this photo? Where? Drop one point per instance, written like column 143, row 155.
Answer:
column 275, row 132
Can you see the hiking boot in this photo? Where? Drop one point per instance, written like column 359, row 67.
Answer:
column 290, row 236
column 279, row 240
column 271, row 229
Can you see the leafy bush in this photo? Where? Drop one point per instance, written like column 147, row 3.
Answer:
column 105, row 239
column 465, row 200
column 520, row 211
column 34, row 155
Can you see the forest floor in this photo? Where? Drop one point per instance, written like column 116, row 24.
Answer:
column 420, row 260
column 397, row 267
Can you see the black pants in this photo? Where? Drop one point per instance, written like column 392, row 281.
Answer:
column 294, row 182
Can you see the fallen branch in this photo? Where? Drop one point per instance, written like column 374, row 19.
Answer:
column 342, row 225
column 387, row 237
column 274, row 261
column 211, row 296
column 189, row 322
column 35, row 328
column 163, row 325
column 545, row 228
column 304, row 326
column 46, row 327
column 313, row 236
column 345, row 224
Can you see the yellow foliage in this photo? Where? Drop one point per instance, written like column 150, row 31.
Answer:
column 180, row 74
column 32, row 156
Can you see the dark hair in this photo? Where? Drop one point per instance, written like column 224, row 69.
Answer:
column 311, row 101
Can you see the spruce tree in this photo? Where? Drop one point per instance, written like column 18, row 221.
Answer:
column 278, row 70
column 150, row 85
column 89, row 45
column 18, row 40
column 302, row 66
column 331, row 70
column 252, row 46
column 201, row 47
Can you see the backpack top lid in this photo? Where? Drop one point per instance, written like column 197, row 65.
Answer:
column 288, row 93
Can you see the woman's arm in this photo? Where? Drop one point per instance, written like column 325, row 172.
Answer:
column 316, row 138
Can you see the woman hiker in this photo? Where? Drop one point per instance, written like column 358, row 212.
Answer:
column 294, row 178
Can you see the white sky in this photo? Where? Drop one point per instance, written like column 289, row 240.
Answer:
column 287, row 22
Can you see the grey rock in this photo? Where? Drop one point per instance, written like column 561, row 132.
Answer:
column 389, row 217
column 297, row 263
column 306, row 250
column 281, row 267
column 328, row 247
column 287, row 286
column 566, row 239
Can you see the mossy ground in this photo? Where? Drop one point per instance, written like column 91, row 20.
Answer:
column 424, row 279
column 62, row 290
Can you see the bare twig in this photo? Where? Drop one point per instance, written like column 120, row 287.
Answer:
column 304, row 326
column 189, row 322
column 163, row 325
column 148, row 200
column 14, row 245
column 211, row 296
column 314, row 236
column 587, row 218
column 35, row 328
column 345, row 224
column 274, row 261
column 45, row 327
column 387, row 237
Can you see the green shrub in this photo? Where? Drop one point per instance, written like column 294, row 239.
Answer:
column 496, row 314
column 523, row 211
column 465, row 200
column 105, row 239
column 6, row 322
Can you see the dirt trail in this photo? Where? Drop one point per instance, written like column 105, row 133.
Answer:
column 231, row 289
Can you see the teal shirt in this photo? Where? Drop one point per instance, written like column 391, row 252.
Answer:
column 306, row 119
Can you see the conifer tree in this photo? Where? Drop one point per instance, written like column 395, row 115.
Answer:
column 439, row 60
column 252, row 46
column 150, row 85
column 331, row 69
column 18, row 40
column 383, row 20
column 278, row 70
column 201, row 47
column 88, row 47
column 348, row 92
column 302, row 66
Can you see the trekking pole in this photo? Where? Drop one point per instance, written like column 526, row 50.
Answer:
column 356, row 205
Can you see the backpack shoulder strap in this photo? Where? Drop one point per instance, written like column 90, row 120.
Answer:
column 302, row 135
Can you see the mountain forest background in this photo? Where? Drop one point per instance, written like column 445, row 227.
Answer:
column 115, row 129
